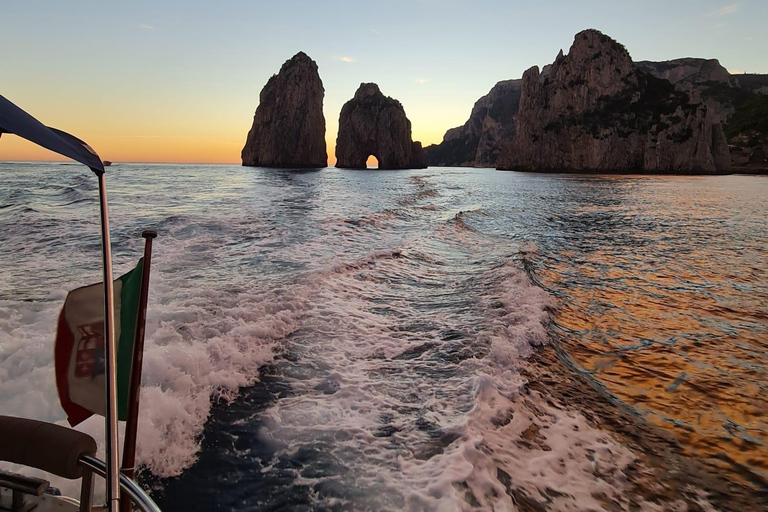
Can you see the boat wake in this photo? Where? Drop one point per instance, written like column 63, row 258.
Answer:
column 401, row 388
column 325, row 340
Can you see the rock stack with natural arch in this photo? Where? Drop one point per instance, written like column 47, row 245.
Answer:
column 289, row 127
column 374, row 124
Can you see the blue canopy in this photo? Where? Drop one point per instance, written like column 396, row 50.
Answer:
column 16, row 121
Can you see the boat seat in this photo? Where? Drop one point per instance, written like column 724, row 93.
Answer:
column 45, row 446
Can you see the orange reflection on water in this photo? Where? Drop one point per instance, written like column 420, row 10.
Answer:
column 684, row 341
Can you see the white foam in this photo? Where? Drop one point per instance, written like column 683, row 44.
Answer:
column 455, row 410
column 570, row 458
column 194, row 353
column 481, row 411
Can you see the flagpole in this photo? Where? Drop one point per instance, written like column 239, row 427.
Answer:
column 110, row 356
column 128, row 467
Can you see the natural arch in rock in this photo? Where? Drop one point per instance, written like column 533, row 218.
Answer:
column 374, row 124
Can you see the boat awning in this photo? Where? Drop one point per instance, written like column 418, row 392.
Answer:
column 16, row 121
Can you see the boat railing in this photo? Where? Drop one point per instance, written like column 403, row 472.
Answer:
column 136, row 494
column 62, row 451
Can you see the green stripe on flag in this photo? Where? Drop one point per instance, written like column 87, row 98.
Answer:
column 129, row 309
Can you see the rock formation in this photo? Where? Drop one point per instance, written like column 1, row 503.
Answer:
column 753, row 83
column 593, row 110
column 689, row 71
column 699, row 78
column 374, row 124
column 288, row 127
column 492, row 122
column 739, row 101
column 478, row 142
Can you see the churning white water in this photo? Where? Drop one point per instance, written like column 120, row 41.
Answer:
column 390, row 313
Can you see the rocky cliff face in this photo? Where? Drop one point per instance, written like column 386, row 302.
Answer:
column 699, row 78
column 478, row 142
column 374, row 124
column 739, row 101
column 706, row 79
column 288, row 127
column 595, row 111
column 687, row 71
column 756, row 84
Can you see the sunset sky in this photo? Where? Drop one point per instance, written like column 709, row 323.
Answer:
column 178, row 81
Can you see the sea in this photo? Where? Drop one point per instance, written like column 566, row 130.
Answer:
column 437, row 339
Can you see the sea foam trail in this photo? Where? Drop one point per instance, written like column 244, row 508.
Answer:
column 416, row 399
column 515, row 445
column 404, row 380
column 201, row 345
column 208, row 331
column 398, row 328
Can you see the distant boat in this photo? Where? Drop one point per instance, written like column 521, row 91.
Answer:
column 106, row 163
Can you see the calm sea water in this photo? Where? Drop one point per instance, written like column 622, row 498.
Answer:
column 356, row 339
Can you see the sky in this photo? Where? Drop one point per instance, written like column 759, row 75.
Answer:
column 179, row 81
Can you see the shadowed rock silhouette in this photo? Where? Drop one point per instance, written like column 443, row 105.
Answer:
column 374, row 124
column 593, row 110
column 289, row 127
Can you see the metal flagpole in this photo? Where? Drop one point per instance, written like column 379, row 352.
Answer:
column 128, row 467
column 15, row 120
column 110, row 356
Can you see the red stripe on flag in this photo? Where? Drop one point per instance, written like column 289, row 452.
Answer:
column 62, row 356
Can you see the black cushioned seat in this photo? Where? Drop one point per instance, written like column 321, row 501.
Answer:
column 45, row 446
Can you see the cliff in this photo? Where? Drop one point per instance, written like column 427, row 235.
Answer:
column 739, row 101
column 594, row 110
column 478, row 142
column 754, row 83
column 288, row 126
column 687, row 71
column 373, row 124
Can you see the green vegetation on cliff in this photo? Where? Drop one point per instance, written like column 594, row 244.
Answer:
column 750, row 115
column 638, row 109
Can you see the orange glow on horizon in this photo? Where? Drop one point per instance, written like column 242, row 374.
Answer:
column 163, row 132
column 140, row 150
column 158, row 148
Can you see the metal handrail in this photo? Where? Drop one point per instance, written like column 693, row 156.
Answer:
column 137, row 495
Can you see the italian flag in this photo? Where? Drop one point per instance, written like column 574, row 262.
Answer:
column 80, row 340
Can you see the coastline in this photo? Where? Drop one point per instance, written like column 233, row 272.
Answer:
column 756, row 171
column 738, row 171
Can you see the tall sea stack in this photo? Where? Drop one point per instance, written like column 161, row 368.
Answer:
column 374, row 124
column 289, row 127
column 594, row 110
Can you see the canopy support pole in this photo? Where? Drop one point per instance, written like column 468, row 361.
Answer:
column 110, row 357
column 128, row 466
